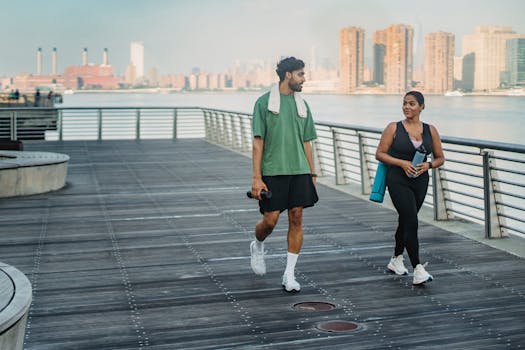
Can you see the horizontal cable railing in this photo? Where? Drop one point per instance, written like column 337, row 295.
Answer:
column 480, row 181
column 88, row 123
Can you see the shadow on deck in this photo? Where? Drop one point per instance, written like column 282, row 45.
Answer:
column 148, row 247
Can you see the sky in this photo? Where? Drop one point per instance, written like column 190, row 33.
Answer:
column 179, row 35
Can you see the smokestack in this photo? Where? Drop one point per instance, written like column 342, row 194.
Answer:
column 105, row 57
column 39, row 61
column 54, row 62
column 84, row 57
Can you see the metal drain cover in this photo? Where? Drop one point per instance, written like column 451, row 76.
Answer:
column 314, row 306
column 337, row 326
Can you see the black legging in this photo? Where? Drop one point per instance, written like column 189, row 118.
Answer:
column 407, row 196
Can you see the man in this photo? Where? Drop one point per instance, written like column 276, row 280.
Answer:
column 283, row 164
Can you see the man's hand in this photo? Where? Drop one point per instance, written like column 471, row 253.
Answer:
column 257, row 186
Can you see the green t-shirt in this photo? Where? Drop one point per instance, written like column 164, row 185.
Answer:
column 284, row 135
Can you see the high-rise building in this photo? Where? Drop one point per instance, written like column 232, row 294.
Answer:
column 488, row 46
column 153, row 76
column 379, row 40
column 468, row 70
column 137, row 59
column 439, row 62
column 418, row 75
column 399, row 58
column 515, row 64
column 130, row 77
column 458, row 72
column 202, row 80
column 351, row 58
column 367, row 74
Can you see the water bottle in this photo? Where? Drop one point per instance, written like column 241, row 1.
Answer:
column 264, row 194
column 419, row 157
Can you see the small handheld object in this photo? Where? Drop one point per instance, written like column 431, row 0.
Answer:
column 264, row 194
column 419, row 157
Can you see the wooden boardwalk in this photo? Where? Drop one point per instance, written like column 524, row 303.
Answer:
column 147, row 247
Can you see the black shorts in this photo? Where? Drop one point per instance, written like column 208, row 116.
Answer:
column 289, row 191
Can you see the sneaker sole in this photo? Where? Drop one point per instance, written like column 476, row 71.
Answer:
column 293, row 291
column 392, row 269
column 258, row 273
column 420, row 283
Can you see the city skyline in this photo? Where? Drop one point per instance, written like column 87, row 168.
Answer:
column 181, row 35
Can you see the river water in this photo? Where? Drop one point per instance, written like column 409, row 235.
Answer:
column 493, row 118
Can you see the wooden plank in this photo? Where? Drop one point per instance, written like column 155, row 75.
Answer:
column 148, row 247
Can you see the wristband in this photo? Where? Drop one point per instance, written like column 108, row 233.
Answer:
column 313, row 175
column 430, row 165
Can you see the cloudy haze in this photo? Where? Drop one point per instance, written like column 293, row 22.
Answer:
column 211, row 34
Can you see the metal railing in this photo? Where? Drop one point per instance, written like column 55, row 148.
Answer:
column 481, row 181
column 87, row 123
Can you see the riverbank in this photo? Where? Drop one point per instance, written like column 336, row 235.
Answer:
column 510, row 93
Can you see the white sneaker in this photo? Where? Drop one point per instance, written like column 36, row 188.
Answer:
column 396, row 265
column 421, row 275
column 257, row 260
column 290, row 284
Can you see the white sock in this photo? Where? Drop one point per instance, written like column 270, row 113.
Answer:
column 291, row 260
column 259, row 245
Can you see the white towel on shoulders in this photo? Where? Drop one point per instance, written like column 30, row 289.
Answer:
column 274, row 102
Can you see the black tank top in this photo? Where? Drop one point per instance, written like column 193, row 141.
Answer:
column 403, row 148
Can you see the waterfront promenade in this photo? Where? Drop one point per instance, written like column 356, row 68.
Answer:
column 147, row 247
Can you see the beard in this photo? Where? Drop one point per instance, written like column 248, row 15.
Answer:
column 295, row 87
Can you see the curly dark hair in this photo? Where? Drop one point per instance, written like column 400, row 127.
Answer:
column 288, row 64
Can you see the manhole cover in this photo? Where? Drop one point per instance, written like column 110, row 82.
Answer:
column 337, row 326
column 314, row 306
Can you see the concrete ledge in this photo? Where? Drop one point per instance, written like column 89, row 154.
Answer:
column 15, row 300
column 26, row 173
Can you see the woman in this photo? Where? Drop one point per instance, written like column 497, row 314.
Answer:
column 407, row 184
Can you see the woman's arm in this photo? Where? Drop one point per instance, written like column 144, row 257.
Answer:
column 439, row 156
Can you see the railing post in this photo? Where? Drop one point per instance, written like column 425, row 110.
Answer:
column 493, row 227
column 366, row 183
column 14, row 126
column 99, row 131
column 438, row 195
column 338, row 166
column 212, row 126
column 137, row 125
column 208, row 125
column 216, row 128
column 242, row 130
column 60, row 125
column 224, row 130
column 233, row 139
column 213, row 136
column 316, row 154
column 174, row 123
